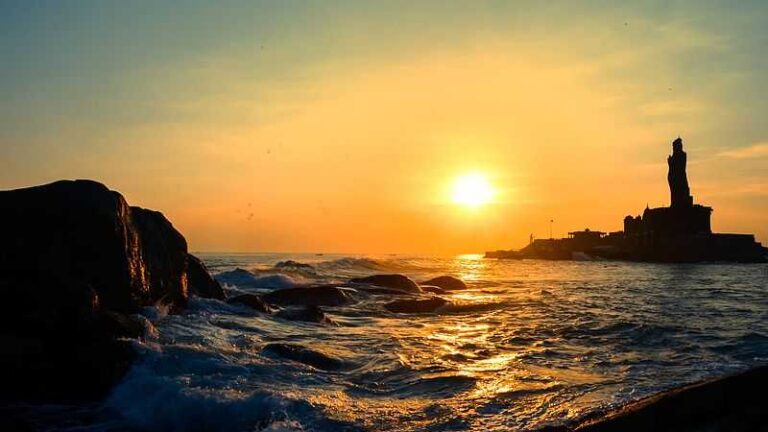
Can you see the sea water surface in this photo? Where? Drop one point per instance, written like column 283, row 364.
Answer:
column 529, row 344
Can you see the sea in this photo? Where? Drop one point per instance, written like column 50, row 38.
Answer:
column 529, row 344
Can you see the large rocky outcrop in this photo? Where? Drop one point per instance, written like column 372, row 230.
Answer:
column 75, row 262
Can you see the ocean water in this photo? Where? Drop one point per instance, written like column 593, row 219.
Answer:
column 529, row 344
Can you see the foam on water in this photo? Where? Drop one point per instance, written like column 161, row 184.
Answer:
column 529, row 344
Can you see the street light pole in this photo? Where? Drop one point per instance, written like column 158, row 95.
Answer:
column 551, row 221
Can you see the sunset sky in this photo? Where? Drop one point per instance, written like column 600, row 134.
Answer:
column 343, row 126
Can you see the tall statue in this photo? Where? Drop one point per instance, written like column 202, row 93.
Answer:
column 678, row 180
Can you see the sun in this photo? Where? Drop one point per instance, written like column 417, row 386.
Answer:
column 472, row 190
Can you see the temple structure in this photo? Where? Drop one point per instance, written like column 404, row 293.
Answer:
column 681, row 218
column 681, row 232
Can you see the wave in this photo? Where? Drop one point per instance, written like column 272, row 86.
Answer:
column 150, row 402
column 349, row 263
column 153, row 398
column 241, row 278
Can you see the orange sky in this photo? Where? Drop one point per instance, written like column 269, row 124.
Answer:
column 339, row 138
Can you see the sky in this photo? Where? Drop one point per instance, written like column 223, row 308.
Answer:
column 341, row 126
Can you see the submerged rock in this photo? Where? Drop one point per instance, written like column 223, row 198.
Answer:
column 75, row 261
column 416, row 306
column 325, row 295
column 253, row 301
column 305, row 355
column 396, row 281
column 448, row 283
column 309, row 314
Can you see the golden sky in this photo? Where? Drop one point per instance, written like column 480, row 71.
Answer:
column 341, row 127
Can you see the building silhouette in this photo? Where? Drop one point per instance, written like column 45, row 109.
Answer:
column 681, row 232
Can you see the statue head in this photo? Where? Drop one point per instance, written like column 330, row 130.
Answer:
column 677, row 145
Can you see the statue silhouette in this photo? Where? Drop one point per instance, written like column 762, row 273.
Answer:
column 677, row 178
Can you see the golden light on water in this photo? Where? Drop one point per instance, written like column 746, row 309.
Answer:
column 472, row 190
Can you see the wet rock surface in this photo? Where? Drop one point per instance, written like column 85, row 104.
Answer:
column 325, row 295
column 253, row 301
column 308, row 314
column 396, row 281
column 416, row 306
column 302, row 354
column 448, row 283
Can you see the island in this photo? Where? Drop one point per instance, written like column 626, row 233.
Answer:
column 679, row 233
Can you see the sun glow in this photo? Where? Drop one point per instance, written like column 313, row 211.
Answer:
column 472, row 190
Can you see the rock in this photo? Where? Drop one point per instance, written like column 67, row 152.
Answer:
column 200, row 282
column 396, row 281
column 164, row 257
column 448, row 283
column 416, row 306
column 326, row 295
column 308, row 314
column 305, row 355
column 119, row 325
column 731, row 403
column 75, row 262
column 371, row 289
column 432, row 289
column 253, row 301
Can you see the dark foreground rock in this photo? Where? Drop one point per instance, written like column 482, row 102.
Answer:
column 253, row 301
column 325, row 295
column 302, row 354
column 75, row 261
column 396, row 281
column 416, row 306
column 734, row 403
column 448, row 283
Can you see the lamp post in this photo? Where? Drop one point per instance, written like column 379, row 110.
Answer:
column 551, row 221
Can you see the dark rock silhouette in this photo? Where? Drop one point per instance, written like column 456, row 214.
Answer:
column 75, row 261
column 253, row 301
column 200, row 281
column 733, row 403
column 302, row 354
column 325, row 295
column 308, row 313
column 416, row 306
column 432, row 289
column 448, row 283
column 396, row 281
column 678, row 233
